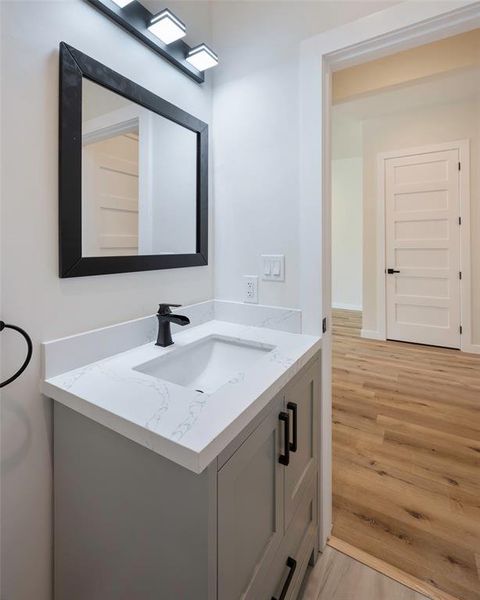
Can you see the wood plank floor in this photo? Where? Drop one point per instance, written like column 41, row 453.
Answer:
column 406, row 448
column 336, row 576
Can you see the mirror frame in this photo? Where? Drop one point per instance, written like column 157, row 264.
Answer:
column 74, row 66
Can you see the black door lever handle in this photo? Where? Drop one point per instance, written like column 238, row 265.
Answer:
column 392, row 271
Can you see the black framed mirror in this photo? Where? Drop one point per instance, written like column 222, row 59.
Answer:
column 133, row 175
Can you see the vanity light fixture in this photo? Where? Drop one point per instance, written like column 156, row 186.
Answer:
column 202, row 57
column 166, row 26
column 162, row 32
column 122, row 3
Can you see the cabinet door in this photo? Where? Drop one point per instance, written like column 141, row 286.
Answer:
column 285, row 572
column 250, row 510
column 301, row 401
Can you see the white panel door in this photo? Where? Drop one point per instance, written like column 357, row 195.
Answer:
column 423, row 248
column 110, row 202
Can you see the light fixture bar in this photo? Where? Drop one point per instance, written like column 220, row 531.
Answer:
column 202, row 57
column 135, row 19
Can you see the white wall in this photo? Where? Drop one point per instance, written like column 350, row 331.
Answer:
column 174, row 183
column 347, row 238
column 256, row 135
column 32, row 294
column 408, row 129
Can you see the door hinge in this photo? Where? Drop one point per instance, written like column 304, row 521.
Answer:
column 324, row 325
column 459, row 166
column 459, row 274
column 459, row 220
column 461, row 330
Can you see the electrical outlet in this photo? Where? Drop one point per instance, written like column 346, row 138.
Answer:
column 250, row 289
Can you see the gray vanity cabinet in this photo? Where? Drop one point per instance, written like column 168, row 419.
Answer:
column 132, row 524
column 302, row 396
column 267, row 511
column 250, row 509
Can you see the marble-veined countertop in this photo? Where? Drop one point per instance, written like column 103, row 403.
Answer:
column 181, row 424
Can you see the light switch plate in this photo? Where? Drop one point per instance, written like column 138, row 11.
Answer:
column 250, row 289
column 273, row 267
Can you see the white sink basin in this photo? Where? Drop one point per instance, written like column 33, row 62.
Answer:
column 207, row 364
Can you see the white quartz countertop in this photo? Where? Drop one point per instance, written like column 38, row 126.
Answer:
column 181, row 424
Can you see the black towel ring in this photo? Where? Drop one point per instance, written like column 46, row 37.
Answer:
column 29, row 351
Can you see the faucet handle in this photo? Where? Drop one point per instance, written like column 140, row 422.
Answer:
column 164, row 309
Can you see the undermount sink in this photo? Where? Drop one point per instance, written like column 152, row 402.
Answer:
column 207, row 364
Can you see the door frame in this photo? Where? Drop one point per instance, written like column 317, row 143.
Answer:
column 402, row 26
column 463, row 147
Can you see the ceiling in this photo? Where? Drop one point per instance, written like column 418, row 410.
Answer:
column 347, row 117
column 444, row 89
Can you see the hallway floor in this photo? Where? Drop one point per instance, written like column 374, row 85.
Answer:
column 406, row 447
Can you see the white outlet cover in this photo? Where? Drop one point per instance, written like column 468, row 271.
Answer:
column 250, row 289
column 273, row 267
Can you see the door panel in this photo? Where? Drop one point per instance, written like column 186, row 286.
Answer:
column 427, row 199
column 423, row 244
column 304, row 394
column 110, row 205
column 250, row 510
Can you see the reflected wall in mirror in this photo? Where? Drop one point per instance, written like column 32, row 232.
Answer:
column 133, row 175
column 138, row 179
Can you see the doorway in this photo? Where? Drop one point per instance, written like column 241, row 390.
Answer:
column 374, row 426
column 401, row 411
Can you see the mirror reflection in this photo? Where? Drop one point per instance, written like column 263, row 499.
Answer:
column 139, row 179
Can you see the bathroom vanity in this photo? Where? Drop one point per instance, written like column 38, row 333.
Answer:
column 188, row 472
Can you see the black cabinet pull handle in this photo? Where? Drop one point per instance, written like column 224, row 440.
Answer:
column 293, row 407
column 292, row 565
column 392, row 271
column 284, row 459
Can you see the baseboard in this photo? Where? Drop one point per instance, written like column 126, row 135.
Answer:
column 372, row 334
column 343, row 306
column 388, row 570
column 471, row 348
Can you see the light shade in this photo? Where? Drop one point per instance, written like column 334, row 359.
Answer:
column 202, row 57
column 122, row 3
column 167, row 27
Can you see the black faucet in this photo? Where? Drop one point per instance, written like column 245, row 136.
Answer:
column 165, row 317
